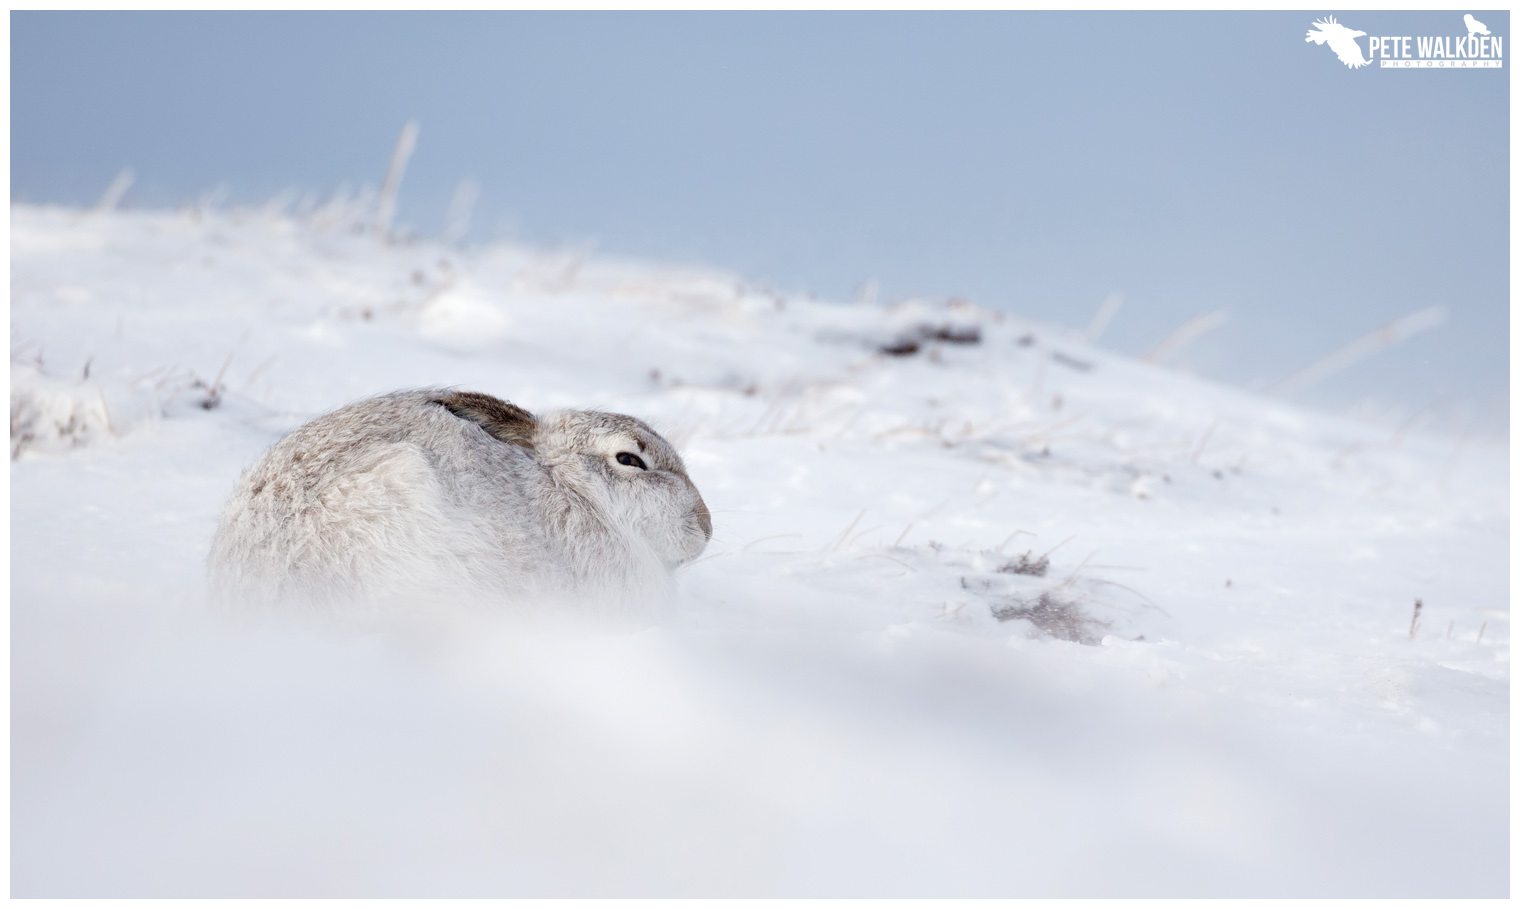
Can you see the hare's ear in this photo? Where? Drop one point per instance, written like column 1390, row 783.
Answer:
column 504, row 421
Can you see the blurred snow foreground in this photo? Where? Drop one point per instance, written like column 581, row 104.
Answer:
column 987, row 612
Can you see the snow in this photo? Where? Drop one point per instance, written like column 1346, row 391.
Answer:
column 1210, row 690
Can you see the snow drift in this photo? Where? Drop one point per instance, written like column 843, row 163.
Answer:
column 987, row 611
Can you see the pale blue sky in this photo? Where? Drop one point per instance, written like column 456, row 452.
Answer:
column 1031, row 162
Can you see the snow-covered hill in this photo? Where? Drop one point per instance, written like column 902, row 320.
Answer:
column 987, row 611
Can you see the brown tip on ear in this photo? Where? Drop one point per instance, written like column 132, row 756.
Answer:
column 502, row 420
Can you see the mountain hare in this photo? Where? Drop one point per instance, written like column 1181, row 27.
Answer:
column 439, row 493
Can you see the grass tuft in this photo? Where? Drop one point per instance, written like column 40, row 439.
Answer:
column 1025, row 564
column 1053, row 616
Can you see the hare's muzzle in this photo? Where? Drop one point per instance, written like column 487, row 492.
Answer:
column 704, row 517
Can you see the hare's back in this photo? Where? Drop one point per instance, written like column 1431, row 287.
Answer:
column 368, row 496
column 344, row 441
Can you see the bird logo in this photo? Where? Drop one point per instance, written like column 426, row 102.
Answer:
column 1342, row 40
column 1474, row 27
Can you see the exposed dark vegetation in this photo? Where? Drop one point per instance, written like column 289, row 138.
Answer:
column 1053, row 616
column 912, row 342
column 1024, row 564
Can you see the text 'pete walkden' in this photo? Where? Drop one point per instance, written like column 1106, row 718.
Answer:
column 1437, row 52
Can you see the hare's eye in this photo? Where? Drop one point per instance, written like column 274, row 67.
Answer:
column 628, row 459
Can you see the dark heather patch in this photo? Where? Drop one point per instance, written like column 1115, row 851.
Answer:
column 1053, row 616
column 900, row 349
column 950, row 334
column 502, row 420
column 1025, row 565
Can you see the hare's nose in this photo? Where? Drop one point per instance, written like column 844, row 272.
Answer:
column 704, row 517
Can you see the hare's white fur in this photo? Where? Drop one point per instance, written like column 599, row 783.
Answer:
column 438, row 493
